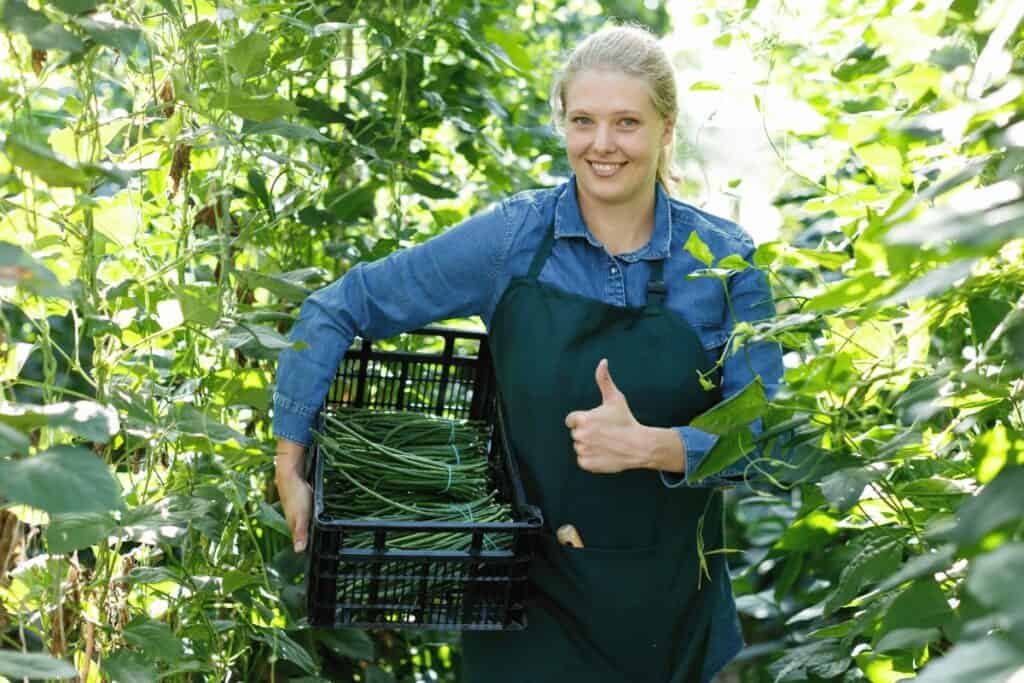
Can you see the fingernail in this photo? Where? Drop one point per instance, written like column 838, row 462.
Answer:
column 299, row 546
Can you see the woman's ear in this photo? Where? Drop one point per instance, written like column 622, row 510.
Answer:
column 666, row 135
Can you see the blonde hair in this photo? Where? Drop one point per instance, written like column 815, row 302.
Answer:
column 634, row 51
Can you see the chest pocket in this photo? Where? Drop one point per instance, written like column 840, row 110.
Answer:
column 701, row 302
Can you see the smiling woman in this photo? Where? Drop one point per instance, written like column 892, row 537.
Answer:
column 605, row 351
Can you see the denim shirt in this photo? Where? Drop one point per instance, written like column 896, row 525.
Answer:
column 464, row 271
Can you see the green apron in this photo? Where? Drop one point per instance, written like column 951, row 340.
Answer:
column 627, row 606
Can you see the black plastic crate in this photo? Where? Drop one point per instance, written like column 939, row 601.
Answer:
column 483, row 588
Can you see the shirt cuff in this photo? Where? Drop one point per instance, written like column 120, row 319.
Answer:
column 697, row 444
column 293, row 420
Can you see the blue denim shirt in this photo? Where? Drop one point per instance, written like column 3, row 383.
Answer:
column 464, row 271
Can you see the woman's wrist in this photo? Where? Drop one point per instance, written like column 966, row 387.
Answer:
column 290, row 459
column 663, row 449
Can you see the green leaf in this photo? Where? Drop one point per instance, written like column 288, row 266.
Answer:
column 19, row 269
column 700, row 251
column 75, row 6
column 272, row 519
column 907, row 638
column 877, row 559
column 739, row 410
column 994, row 577
column 154, row 638
column 810, row 532
column 74, row 531
column 733, row 262
column 729, row 448
column 842, row 489
column 425, row 185
column 125, row 666
column 922, row 605
column 18, row 665
column 249, row 55
column 994, row 215
column 280, row 284
column 350, row 643
column 116, row 34
column 12, row 441
column 37, row 28
column 284, row 646
column 187, row 419
column 850, row 292
column 199, row 303
column 992, row 659
column 705, row 85
column 998, row 503
column 260, row 335
column 921, row 565
column 63, row 479
column 149, row 575
column 256, row 107
column 201, row 32
column 44, row 163
column 285, row 129
column 87, row 419
column 233, row 580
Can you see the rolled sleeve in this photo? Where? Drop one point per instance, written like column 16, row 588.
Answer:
column 752, row 300
column 452, row 275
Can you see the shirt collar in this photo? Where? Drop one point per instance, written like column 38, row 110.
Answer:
column 569, row 223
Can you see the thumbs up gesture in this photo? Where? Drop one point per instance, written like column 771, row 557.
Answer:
column 607, row 439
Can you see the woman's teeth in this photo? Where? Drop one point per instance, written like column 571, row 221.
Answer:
column 605, row 169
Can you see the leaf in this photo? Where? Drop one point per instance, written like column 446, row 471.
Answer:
column 284, row 646
column 348, row 642
column 988, row 215
column 285, row 129
column 74, row 531
column 994, row 577
column 425, row 185
column 810, row 532
column 202, row 32
column 998, row 503
column 921, row 565
column 233, row 580
column 199, row 303
column 272, row 519
column 63, row 479
column 739, row 410
column 933, row 283
column 843, row 488
column 260, row 335
column 149, row 575
column 852, row 291
column 36, row 27
column 125, row 666
column 249, row 55
column 12, row 441
column 878, row 558
column 87, row 419
column 189, row 420
column 733, row 262
column 276, row 283
column 44, row 163
column 729, row 448
column 154, row 638
column 921, row 605
column 75, row 6
column 990, row 660
column 259, row 187
column 17, row 665
column 907, row 638
column 19, row 269
column 700, row 251
column 116, row 34
column 256, row 107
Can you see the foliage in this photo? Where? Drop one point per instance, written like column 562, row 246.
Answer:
column 176, row 176
column 901, row 306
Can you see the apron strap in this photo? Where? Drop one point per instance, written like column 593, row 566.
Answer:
column 542, row 253
column 656, row 289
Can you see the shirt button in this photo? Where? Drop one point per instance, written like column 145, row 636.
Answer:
column 614, row 270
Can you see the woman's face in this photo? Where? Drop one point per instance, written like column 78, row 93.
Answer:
column 613, row 136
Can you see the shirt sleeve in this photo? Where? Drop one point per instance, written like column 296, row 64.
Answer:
column 751, row 300
column 452, row 275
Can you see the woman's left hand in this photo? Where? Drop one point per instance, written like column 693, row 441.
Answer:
column 607, row 439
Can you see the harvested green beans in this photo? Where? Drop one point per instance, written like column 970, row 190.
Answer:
column 404, row 466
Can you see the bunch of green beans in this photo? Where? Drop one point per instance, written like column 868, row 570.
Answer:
column 403, row 466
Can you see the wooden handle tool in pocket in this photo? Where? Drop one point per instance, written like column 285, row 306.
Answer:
column 567, row 535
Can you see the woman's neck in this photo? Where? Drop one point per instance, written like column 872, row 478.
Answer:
column 622, row 228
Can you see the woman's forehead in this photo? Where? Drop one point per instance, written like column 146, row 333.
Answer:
column 608, row 91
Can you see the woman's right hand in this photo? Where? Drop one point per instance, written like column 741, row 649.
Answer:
column 295, row 492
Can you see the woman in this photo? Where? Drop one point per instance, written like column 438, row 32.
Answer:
column 598, row 339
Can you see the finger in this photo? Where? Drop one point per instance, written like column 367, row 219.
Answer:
column 604, row 382
column 572, row 419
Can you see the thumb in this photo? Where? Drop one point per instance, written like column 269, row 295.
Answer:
column 300, row 540
column 609, row 391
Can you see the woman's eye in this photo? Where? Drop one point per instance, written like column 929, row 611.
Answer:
column 630, row 123
column 581, row 120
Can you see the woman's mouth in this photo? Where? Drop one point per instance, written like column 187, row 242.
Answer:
column 605, row 170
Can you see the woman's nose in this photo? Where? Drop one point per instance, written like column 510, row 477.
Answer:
column 603, row 139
